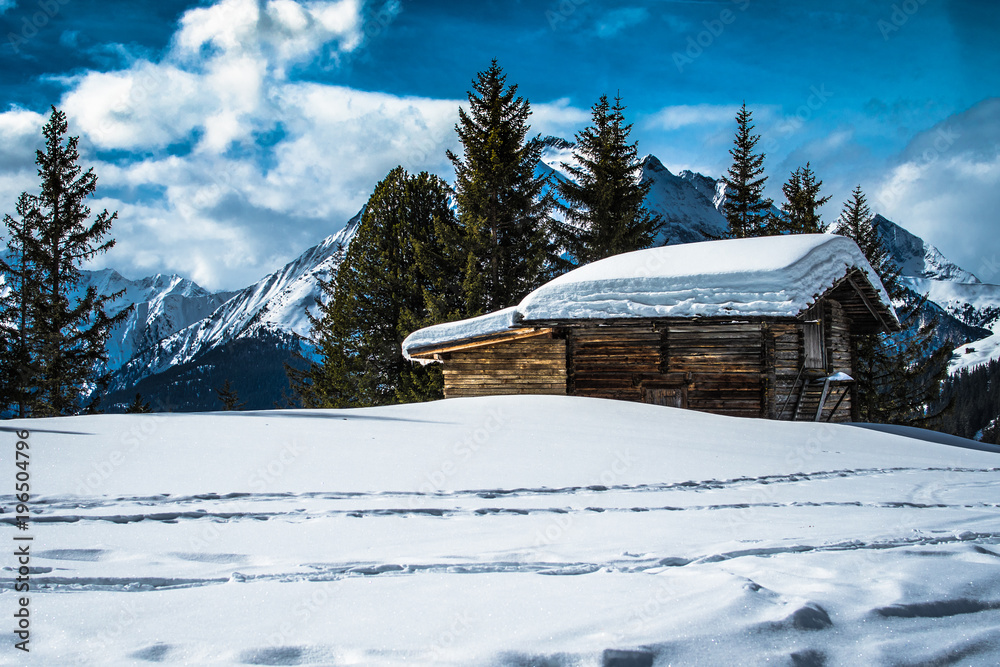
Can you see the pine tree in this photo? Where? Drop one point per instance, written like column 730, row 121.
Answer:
column 399, row 274
column 502, row 205
column 228, row 396
column 745, row 207
column 139, row 406
column 801, row 203
column 899, row 376
column 61, row 344
column 603, row 203
column 855, row 222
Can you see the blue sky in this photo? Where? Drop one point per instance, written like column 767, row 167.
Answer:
column 232, row 134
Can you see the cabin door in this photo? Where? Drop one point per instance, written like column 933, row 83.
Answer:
column 669, row 396
column 812, row 340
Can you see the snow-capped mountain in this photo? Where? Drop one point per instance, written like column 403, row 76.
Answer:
column 915, row 257
column 688, row 203
column 957, row 292
column 274, row 305
column 161, row 306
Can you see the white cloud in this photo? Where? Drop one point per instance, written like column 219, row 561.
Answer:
column 19, row 131
column 197, row 190
column 617, row 20
column 557, row 118
column 684, row 115
column 197, row 197
column 225, row 220
column 285, row 32
column 945, row 187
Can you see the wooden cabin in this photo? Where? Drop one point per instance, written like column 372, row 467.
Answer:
column 761, row 327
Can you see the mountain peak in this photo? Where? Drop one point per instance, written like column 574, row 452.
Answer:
column 915, row 257
column 550, row 141
column 652, row 164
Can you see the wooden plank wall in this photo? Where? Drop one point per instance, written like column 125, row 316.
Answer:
column 788, row 351
column 726, row 361
column 739, row 369
column 611, row 361
column 786, row 359
column 526, row 366
column 838, row 349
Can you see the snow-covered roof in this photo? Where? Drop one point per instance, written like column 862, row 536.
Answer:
column 774, row 276
column 475, row 327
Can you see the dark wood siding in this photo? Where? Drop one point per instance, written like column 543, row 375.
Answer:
column 838, row 337
column 725, row 364
column 612, row 361
column 745, row 369
column 787, row 345
column 525, row 366
column 797, row 389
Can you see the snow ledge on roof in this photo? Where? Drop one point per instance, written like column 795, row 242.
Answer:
column 774, row 276
column 484, row 325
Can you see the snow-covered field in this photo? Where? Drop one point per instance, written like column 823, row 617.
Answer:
column 501, row 531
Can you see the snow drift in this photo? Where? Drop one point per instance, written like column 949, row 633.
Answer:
column 508, row 530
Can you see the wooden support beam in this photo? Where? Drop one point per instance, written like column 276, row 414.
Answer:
column 868, row 304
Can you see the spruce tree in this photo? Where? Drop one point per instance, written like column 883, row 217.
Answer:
column 502, row 205
column 801, row 203
column 874, row 365
column 856, row 223
column 61, row 344
column 745, row 207
column 398, row 274
column 603, row 203
column 899, row 376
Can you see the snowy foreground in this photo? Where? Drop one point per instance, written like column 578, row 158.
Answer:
column 501, row 531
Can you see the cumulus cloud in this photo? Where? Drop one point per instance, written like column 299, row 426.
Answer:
column 558, row 118
column 280, row 32
column 945, row 187
column 221, row 164
column 684, row 115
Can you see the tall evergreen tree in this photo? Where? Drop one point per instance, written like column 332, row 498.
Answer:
column 63, row 343
column 746, row 208
column 502, row 205
column 398, row 275
column 855, row 222
column 802, row 202
column 899, row 376
column 603, row 203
